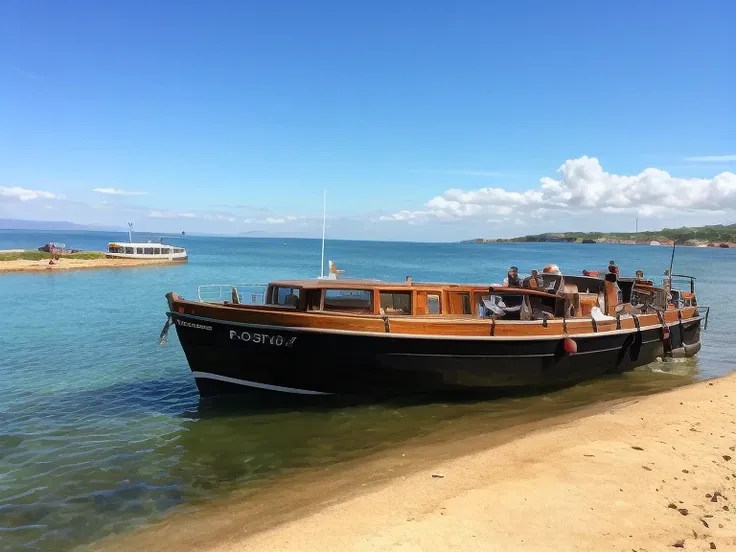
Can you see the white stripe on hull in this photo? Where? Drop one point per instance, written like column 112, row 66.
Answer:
column 259, row 385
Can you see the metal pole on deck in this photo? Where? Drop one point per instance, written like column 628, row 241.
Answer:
column 324, row 223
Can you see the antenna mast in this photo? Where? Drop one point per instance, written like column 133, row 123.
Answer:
column 324, row 224
column 130, row 232
column 672, row 262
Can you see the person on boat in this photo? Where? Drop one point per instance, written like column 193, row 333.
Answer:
column 612, row 267
column 512, row 278
column 534, row 281
column 639, row 274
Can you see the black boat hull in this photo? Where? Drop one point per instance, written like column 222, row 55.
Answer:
column 229, row 357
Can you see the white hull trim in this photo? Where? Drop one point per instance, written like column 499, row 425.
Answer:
column 259, row 385
column 143, row 257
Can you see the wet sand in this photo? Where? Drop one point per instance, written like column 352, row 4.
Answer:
column 23, row 265
column 639, row 474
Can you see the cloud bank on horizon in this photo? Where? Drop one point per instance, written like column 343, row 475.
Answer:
column 116, row 191
column 583, row 196
column 583, row 187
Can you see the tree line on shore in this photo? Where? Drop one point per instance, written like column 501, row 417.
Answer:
column 710, row 235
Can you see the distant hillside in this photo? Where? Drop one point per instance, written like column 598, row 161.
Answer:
column 713, row 235
column 21, row 224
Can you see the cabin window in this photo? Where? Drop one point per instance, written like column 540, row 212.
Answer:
column 129, row 250
column 313, row 299
column 148, row 251
column 139, row 250
column 396, row 302
column 348, row 300
column 165, row 250
column 286, row 296
column 178, row 250
column 466, row 303
column 433, row 304
column 156, row 250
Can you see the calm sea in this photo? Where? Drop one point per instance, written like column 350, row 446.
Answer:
column 102, row 430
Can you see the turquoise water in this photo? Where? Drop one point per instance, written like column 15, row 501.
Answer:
column 102, row 430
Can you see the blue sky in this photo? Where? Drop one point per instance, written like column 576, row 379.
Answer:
column 234, row 116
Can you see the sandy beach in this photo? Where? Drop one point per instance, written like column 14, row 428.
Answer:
column 23, row 265
column 637, row 475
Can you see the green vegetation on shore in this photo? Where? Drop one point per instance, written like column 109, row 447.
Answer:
column 41, row 255
column 712, row 235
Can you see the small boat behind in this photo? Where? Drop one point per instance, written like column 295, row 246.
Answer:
column 146, row 251
column 57, row 248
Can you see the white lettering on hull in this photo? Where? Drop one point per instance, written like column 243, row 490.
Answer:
column 262, row 338
column 193, row 325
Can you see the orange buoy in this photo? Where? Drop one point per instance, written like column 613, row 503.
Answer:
column 569, row 346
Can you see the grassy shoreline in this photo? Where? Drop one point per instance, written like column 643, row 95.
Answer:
column 30, row 255
column 39, row 261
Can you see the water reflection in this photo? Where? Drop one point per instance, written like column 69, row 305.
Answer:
column 95, row 462
column 225, row 446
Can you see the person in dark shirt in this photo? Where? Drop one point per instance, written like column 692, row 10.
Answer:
column 512, row 278
column 612, row 267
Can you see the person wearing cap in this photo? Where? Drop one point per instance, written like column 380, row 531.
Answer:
column 512, row 278
column 612, row 267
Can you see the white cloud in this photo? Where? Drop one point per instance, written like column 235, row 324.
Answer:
column 218, row 216
column 157, row 213
column 161, row 214
column 583, row 187
column 272, row 220
column 711, row 158
column 24, row 194
column 116, row 191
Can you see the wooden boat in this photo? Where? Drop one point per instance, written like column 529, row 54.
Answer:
column 366, row 337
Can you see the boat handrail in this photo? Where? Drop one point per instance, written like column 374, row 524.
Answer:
column 217, row 293
column 704, row 312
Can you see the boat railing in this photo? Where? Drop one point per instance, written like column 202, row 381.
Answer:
column 704, row 312
column 248, row 294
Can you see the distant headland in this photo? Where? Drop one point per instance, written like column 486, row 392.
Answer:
column 717, row 235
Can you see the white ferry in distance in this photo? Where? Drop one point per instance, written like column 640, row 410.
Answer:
column 142, row 251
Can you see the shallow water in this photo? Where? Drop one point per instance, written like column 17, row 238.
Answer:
column 102, row 430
